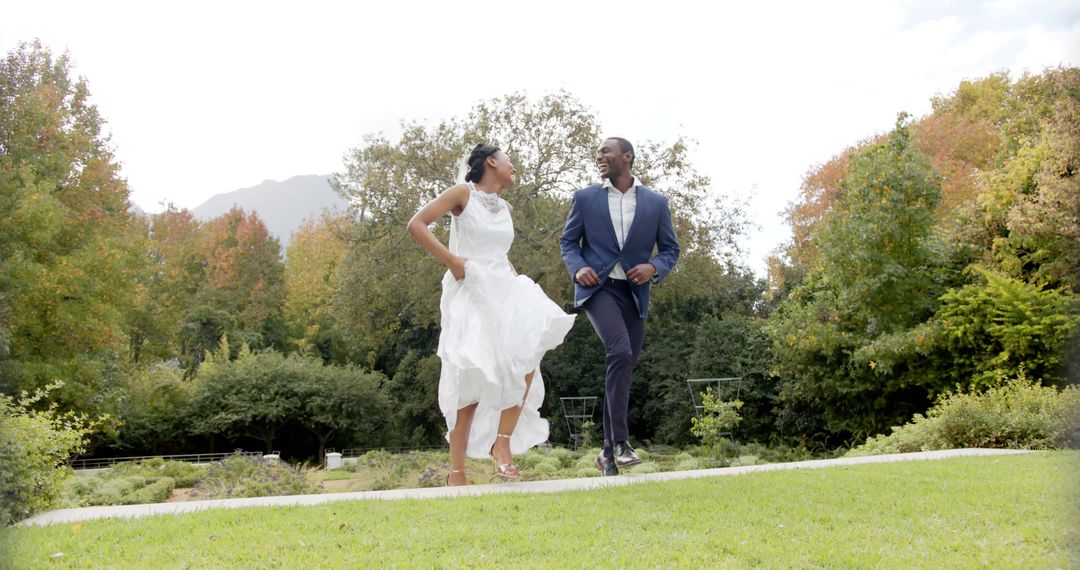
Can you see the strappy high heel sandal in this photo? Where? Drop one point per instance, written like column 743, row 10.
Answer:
column 505, row 471
column 452, row 471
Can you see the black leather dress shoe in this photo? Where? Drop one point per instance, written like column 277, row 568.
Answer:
column 606, row 465
column 625, row 456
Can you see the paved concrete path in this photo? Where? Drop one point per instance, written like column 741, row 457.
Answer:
column 553, row 486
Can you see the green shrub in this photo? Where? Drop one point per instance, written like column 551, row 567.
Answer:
column 183, row 473
column 242, row 476
column 352, row 466
column 156, row 492
column 121, row 487
column 80, row 491
column 1017, row 415
column 1004, row 326
column 563, row 456
column 590, row 434
column 36, row 448
column 529, row 460
column 645, row 468
column 775, row 453
column 687, row 464
column 921, row 434
column 383, row 483
column 717, row 420
column 546, row 467
column 377, row 458
column 116, row 489
column 586, row 462
column 683, row 457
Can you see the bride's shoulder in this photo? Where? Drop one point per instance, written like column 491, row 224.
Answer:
column 459, row 191
column 456, row 197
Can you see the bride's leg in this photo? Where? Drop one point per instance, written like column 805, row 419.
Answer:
column 507, row 422
column 459, row 439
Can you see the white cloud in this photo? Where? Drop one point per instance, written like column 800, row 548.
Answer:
column 1047, row 48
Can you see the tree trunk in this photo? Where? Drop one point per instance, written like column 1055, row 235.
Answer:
column 323, row 438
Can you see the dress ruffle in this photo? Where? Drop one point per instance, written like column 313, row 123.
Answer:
column 496, row 327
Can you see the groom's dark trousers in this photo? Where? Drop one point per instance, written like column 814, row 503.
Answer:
column 615, row 317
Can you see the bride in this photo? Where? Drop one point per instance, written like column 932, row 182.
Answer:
column 496, row 324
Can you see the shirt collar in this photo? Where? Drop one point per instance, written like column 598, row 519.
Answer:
column 633, row 185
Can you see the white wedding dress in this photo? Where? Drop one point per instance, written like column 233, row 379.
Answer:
column 496, row 326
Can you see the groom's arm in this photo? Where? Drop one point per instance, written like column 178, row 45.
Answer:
column 666, row 245
column 570, row 242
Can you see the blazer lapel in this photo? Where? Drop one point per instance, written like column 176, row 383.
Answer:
column 602, row 203
column 639, row 209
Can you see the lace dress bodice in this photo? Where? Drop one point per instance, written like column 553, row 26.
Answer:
column 484, row 230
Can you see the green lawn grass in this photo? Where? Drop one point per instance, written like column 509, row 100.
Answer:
column 998, row 512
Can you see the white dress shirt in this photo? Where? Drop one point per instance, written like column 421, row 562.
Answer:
column 621, row 206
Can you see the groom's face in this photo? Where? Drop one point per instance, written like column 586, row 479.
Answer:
column 610, row 159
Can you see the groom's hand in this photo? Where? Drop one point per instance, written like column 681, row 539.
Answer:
column 641, row 273
column 587, row 276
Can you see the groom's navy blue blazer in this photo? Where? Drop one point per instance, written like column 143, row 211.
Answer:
column 589, row 239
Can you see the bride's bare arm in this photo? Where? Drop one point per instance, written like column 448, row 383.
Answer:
column 453, row 200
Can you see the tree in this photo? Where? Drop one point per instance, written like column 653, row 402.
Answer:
column 877, row 277
column 244, row 275
column 203, row 330
column 154, row 410
column 344, row 402
column 414, row 394
column 257, row 394
column 876, row 247
column 253, row 396
column 970, row 132
column 66, row 265
column 313, row 259
column 1045, row 222
column 172, row 275
column 891, row 309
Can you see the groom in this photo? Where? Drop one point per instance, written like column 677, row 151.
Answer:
column 607, row 246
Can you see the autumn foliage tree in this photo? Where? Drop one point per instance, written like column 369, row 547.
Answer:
column 875, row 277
column 314, row 257
column 66, row 265
column 988, row 288
column 172, row 274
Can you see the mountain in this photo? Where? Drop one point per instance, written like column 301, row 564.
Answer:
column 282, row 206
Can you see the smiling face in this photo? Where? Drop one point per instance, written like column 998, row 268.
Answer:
column 499, row 166
column 611, row 161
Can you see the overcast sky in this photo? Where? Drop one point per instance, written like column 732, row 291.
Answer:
column 208, row 97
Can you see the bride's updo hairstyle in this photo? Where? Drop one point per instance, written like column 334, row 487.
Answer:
column 478, row 161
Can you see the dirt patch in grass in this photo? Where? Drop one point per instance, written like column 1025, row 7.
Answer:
column 179, row 495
